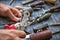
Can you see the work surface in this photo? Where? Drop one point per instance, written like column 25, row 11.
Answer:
column 55, row 17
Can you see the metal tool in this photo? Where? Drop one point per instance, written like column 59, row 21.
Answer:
column 47, row 11
column 42, row 18
column 52, row 9
column 44, row 35
column 31, row 7
column 45, row 27
column 27, row 1
column 36, row 3
column 40, row 28
column 54, row 24
column 11, row 1
column 19, row 7
column 24, row 23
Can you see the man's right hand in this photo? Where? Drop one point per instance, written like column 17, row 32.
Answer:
column 12, row 35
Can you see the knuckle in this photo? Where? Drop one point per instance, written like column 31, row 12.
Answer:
column 7, row 9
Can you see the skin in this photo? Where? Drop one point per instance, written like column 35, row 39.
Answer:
column 12, row 35
column 10, row 12
column 14, row 15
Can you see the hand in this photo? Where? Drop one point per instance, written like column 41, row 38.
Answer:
column 10, row 12
column 12, row 35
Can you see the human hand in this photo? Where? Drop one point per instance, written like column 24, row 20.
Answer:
column 12, row 35
column 10, row 12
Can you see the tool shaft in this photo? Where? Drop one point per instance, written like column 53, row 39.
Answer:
column 37, row 3
column 56, row 32
column 11, row 2
column 54, row 8
column 44, row 35
column 54, row 24
column 27, row 1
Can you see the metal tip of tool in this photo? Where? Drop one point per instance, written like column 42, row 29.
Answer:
column 55, row 24
column 55, row 33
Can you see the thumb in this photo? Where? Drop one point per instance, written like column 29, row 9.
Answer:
column 19, row 33
column 17, row 38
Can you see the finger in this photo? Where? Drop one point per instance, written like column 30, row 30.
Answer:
column 10, row 14
column 19, row 33
column 16, row 12
column 17, row 38
column 12, row 34
column 7, row 36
